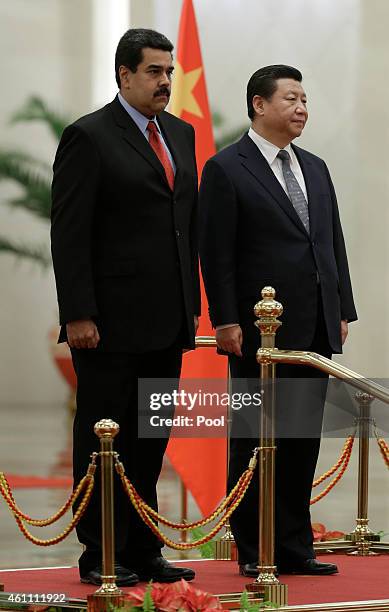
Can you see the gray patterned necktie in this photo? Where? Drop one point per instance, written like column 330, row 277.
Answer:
column 294, row 190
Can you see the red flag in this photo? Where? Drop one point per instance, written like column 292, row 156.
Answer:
column 200, row 462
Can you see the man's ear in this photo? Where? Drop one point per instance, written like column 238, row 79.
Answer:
column 258, row 105
column 125, row 77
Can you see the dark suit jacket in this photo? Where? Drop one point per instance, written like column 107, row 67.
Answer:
column 124, row 246
column 251, row 236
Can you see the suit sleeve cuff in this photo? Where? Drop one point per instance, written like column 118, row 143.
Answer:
column 227, row 325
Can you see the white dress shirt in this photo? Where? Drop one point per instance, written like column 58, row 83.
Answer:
column 270, row 152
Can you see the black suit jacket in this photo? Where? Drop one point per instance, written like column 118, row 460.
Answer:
column 251, row 236
column 124, row 246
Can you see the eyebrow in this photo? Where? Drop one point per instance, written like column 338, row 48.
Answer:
column 159, row 67
column 294, row 93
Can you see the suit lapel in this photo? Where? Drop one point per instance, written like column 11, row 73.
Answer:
column 257, row 165
column 134, row 137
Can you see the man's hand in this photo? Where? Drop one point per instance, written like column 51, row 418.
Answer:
column 82, row 334
column 230, row 339
column 343, row 331
column 196, row 323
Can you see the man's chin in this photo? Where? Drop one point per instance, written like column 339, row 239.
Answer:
column 160, row 104
column 298, row 128
column 297, row 132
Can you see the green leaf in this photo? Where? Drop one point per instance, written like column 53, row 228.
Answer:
column 34, row 178
column 246, row 605
column 207, row 549
column 244, row 602
column 39, row 254
column 36, row 109
column 229, row 137
column 148, row 603
column 217, row 119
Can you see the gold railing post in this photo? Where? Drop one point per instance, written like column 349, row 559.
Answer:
column 184, row 516
column 225, row 548
column 267, row 311
column 364, row 385
column 362, row 536
column 108, row 594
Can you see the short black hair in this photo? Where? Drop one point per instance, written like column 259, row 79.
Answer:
column 264, row 83
column 129, row 51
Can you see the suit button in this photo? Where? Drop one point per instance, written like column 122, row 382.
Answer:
column 174, row 202
column 177, row 233
column 313, row 243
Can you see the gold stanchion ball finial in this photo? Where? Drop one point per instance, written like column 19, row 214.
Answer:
column 106, row 428
column 363, row 398
column 267, row 311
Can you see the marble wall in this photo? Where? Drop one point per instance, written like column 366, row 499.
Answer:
column 55, row 49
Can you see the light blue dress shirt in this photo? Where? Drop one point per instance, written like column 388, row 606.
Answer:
column 142, row 123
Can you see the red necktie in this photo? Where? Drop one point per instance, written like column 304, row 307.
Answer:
column 161, row 153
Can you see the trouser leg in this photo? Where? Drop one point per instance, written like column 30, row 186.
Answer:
column 300, row 399
column 107, row 388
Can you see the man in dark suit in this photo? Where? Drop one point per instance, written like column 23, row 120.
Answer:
column 269, row 216
column 125, row 261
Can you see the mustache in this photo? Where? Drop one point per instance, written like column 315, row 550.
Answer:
column 162, row 91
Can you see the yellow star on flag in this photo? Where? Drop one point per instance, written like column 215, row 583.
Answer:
column 182, row 98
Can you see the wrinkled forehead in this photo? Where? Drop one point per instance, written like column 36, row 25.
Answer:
column 156, row 57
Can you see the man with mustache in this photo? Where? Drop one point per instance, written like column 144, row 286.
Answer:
column 269, row 216
column 125, row 261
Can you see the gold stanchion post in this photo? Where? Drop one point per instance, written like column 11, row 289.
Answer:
column 362, row 536
column 108, row 594
column 368, row 389
column 184, row 517
column 225, row 548
column 267, row 311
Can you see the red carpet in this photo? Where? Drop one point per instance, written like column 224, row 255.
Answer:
column 39, row 482
column 359, row 579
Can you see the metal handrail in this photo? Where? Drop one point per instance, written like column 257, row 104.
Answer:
column 315, row 360
column 319, row 362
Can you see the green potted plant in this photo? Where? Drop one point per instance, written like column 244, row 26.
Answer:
column 33, row 177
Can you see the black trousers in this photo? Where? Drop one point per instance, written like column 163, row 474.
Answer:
column 107, row 387
column 299, row 407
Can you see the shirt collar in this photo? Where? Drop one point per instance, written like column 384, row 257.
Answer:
column 140, row 120
column 268, row 149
